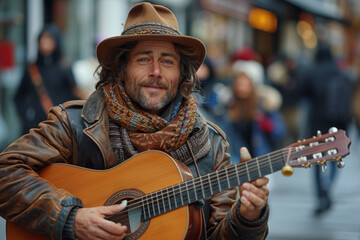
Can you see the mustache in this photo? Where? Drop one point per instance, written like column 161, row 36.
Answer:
column 155, row 82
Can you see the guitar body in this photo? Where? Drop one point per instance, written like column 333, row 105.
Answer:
column 142, row 174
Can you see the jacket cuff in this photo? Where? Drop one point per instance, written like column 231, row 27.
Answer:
column 262, row 219
column 243, row 228
column 66, row 218
column 68, row 231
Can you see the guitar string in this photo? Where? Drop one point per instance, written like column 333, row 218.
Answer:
column 277, row 156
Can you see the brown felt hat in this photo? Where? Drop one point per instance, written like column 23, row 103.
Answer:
column 148, row 22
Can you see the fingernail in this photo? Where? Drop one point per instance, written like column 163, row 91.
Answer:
column 244, row 200
column 244, row 153
column 123, row 204
column 246, row 186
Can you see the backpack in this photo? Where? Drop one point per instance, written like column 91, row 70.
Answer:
column 337, row 99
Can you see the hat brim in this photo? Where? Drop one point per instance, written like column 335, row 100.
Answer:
column 104, row 50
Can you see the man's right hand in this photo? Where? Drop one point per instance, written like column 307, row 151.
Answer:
column 90, row 223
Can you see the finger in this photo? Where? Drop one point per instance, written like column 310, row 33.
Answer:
column 252, row 201
column 261, row 191
column 260, row 182
column 102, row 231
column 113, row 209
column 244, row 154
column 112, row 229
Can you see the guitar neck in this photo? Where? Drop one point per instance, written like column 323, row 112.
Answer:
column 190, row 191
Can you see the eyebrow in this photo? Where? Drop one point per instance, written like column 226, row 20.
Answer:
column 148, row 52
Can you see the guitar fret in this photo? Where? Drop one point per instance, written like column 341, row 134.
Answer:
column 148, row 208
column 210, row 187
column 227, row 178
column 247, row 171
column 187, row 192
column 163, row 200
column 202, row 187
column 168, row 195
column 196, row 197
column 175, row 200
column 237, row 174
column 143, row 209
column 181, row 196
column 257, row 162
column 153, row 206
column 218, row 180
column 158, row 202
column 270, row 164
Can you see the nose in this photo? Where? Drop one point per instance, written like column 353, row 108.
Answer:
column 155, row 71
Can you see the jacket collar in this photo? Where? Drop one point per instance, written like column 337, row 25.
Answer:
column 94, row 107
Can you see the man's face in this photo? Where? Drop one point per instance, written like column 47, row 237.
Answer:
column 153, row 75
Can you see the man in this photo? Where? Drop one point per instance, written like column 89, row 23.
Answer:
column 143, row 101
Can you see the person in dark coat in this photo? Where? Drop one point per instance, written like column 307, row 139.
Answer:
column 329, row 91
column 58, row 80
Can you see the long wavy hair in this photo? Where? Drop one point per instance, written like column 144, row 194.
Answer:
column 115, row 72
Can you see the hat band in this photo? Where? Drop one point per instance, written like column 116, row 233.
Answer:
column 150, row 28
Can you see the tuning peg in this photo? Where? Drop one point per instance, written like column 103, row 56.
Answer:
column 287, row 170
column 341, row 164
column 318, row 133
column 333, row 130
column 323, row 168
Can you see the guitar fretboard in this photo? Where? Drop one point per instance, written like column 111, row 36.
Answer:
column 190, row 191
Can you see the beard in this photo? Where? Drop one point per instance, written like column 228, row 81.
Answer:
column 150, row 102
column 150, row 106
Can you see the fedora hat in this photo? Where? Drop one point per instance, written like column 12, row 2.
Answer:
column 148, row 22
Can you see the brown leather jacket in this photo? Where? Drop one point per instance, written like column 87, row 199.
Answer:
column 33, row 203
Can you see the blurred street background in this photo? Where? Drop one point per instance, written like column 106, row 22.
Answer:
column 281, row 36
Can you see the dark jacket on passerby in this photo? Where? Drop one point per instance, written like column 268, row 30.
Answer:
column 57, row 79
column 54, row 141
column 329, row 92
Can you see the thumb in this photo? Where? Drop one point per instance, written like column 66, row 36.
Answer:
column 113, row 209
column 244, row 154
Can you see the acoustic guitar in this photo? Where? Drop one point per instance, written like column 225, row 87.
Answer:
column 160, row 190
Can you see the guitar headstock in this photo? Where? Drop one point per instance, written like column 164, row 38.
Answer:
column 332, row 146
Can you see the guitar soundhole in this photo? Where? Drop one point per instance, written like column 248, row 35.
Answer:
column 130, row 216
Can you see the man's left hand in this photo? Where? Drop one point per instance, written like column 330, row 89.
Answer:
column 254, row 195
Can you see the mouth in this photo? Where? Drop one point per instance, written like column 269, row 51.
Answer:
column 154, row 86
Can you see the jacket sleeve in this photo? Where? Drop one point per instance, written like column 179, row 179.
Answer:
column 225, row 221
column 25, row 198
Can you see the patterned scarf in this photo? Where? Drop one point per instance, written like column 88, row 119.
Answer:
column 149, row 131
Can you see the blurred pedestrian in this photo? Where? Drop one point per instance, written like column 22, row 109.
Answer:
column 86, row 70
column 253, row 119
column 329, row 91
column 46, row 82
column 213, row 94
column 285, row 74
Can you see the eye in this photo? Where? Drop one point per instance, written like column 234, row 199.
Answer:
column 143, row 60
column 167, row 62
